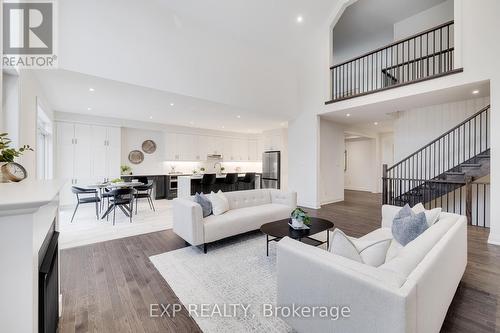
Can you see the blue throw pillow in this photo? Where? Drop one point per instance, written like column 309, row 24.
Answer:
column 206, row 205
column 407, row 225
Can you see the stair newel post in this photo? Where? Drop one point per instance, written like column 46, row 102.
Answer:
column 468, row 199
column 384, row 184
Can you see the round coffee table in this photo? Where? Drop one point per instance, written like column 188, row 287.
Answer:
column 280, row 229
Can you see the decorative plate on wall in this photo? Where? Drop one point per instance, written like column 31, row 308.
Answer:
column 149, row 146
column 136, row 157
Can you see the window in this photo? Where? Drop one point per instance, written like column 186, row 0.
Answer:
column 43, row 145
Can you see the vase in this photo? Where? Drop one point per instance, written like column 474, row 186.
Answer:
column 297, row 223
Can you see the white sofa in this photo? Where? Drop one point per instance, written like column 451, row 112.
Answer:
column 248, row 210
column 410, row 293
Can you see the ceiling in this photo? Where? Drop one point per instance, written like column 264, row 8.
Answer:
column 69, row 92
column 271, row 23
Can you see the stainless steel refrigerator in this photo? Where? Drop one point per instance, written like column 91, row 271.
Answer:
column 271, row 169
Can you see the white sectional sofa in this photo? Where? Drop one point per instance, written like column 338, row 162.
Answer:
column 410, row 293
column 248, row 210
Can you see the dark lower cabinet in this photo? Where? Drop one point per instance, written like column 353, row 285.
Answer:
column 159, row 185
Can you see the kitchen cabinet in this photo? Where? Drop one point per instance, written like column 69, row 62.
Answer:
column 192, row 148
column 86, row 154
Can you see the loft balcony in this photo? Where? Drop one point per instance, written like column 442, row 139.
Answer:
column 424, row 56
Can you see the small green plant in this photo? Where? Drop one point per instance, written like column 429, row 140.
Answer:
column 116, row 180
column 8, row 154
column 125, row 170
column 222, row 169
column 202, row 169
column 195, row 172
column 301, row 215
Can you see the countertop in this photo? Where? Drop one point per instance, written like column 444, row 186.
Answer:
column 28, row 194
column 218, row 176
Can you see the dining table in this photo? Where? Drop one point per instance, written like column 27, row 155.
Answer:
column 111, row 186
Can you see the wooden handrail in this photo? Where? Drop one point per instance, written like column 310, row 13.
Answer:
column 441, row 136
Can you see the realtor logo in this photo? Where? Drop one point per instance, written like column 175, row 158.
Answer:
column 28, row 34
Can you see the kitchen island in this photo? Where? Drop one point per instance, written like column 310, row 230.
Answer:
column 189, row 185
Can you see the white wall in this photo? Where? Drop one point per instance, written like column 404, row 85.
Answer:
column 361, row 175
column 332, row 147
column 132, row 139
column 10, row 107
column 415, row 128
column 427, row 19
column 30, row 91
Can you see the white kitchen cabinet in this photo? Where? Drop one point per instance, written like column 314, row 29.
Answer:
column 253, row 150
column 86, row 154
column 171, row 147
column 243, row 150
column 273, row 142
column 187, row 148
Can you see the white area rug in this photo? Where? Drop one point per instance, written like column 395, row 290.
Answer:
column 232, row 272
column 85, row 229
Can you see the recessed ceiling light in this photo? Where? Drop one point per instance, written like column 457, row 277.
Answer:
column 475, row 92
column 375, row 123
column 89, row 109
column 91, row 89
column 300, row 19
column 238, row 116
column 150, row 117
column 223, row 127
column 191, row 123
column 348, row 115
column 172, row 104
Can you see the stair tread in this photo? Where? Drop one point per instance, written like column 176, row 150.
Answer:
column 471, row 165
column 454, row 173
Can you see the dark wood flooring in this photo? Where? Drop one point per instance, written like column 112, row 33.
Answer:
column 107, row 287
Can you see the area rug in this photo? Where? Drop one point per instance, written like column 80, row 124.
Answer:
column 232, row 272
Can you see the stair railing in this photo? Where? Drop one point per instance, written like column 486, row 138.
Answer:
column 419, row 176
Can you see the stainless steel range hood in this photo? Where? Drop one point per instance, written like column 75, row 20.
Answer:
column 214, row 157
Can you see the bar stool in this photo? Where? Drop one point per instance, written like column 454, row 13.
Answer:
column 207, row 182
column 247, row 181
column 231, row 181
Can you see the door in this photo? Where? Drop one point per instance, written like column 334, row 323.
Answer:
column 269, row 183
column 99, row 140
column 113, row 159
column 83, row 154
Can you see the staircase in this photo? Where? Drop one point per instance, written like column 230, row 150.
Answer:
column 444, row 172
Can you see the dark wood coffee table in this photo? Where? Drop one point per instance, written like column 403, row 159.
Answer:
column 280, row 229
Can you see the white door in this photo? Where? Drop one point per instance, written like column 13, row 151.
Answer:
column 113, row 160
column 83, row 154
column 99, row 152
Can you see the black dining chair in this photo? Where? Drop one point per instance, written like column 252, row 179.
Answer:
column 144, row 191
column 122, row 198
column 231, row 181
column 207, row 182
column 85, row 196
column 247, row 181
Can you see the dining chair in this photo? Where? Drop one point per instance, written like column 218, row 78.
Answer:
column 144, row 191
column 207, row 182
column 85, row 196
column 122, row 198
column 231, row 180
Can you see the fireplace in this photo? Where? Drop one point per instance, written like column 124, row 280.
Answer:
column 48, row 283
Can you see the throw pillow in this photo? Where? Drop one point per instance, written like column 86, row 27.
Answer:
column 204, row 202
column 220, row 204
column 370, row 252
column 407, row 225
column 431, row 215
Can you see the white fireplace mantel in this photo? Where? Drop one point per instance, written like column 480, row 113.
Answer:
column 27, row 211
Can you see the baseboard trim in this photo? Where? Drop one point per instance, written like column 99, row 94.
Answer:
column 332, row 201
column 494, row 239
column 361, row 189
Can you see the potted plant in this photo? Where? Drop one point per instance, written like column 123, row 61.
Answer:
column 222, row 169
column 125, row 170
column 202, row 170
column 7, row 156
column 300, row 218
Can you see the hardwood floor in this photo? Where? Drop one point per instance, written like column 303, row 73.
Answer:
column 107, row 287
